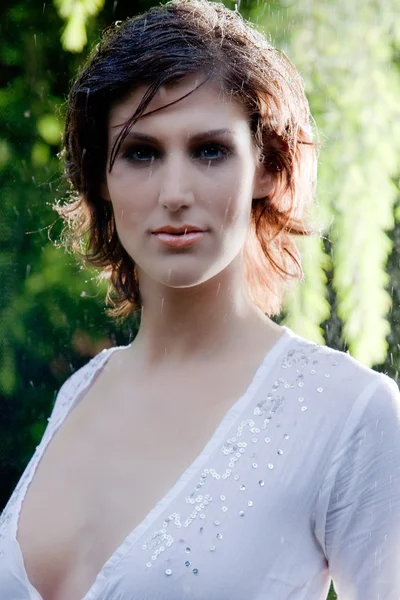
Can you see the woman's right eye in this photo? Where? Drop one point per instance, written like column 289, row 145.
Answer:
column 138, row 153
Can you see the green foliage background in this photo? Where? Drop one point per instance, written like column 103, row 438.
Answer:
column 52, row 317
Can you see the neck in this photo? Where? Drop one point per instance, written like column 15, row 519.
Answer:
column 201, row 323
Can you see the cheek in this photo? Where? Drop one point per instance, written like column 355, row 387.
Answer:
column 125, row 201
column 233, row 198
column 237, row 180
column 120, row 189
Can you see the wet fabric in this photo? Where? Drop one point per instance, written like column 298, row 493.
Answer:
column 300, row 483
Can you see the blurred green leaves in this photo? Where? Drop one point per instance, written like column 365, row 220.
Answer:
column 348, row 56
column 350, row 64
column 76, row 14
column 52, row 312
column 49, row 129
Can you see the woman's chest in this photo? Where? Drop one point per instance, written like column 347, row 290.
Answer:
column 100, row 476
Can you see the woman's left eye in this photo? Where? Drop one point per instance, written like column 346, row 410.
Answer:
column 217, row 147
column 138, row 153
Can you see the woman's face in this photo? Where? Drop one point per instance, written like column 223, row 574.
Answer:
column 184, row 174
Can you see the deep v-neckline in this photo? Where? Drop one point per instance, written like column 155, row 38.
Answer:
column 225, row 424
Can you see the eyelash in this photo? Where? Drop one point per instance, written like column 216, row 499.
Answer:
column 127, row 155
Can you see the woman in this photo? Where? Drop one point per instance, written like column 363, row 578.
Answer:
column 218, row 456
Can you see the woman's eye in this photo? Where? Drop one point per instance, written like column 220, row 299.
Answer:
column 137, row 154
column 142, row 154
column 215, row 148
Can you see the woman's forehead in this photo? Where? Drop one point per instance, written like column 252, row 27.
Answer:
column 201, row 107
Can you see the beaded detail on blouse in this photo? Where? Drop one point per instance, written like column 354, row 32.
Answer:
column 250, row 432
column 299, row 467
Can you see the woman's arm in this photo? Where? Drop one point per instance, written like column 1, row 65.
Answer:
column 362, row 521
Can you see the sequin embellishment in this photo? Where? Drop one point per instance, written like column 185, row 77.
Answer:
column 247, row 436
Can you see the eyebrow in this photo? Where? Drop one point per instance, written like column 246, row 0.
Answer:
column 144, row 137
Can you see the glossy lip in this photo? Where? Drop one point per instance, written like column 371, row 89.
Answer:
column 180, row 229
column 180, row 241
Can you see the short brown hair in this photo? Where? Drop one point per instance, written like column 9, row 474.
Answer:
column 160, row 47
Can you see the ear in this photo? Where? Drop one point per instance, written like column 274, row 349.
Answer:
column 264, row 181
column 104, row 193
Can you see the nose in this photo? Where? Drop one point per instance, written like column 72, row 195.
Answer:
column 176, row 189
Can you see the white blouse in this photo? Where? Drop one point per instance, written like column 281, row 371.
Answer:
column 299, row 484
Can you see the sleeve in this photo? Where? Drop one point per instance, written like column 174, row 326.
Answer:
column 362, row 526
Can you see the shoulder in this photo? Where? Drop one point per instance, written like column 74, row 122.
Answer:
column 77, row 380
column 337, row 372
column 345, row 401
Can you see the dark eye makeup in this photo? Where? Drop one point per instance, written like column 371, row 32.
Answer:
column 139, row 153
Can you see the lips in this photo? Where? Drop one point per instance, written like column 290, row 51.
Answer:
column 178, row 230
column 180, row 240
column 179, row 233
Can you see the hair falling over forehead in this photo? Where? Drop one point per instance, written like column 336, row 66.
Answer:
column 161, row 47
